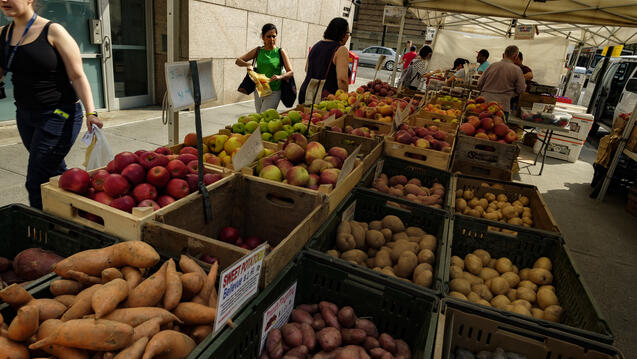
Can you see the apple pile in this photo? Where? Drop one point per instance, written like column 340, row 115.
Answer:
column 411, row 189
column 141, row 179
column 303, row 164
column 340, row 100
column 231, row 235
column 488, row 126
column 448, row 98
column 381, row 109
column 362, row 131
column 439, row 110
column 218, row 149
column 428, row 138
column 479, row 105
column 378, row 88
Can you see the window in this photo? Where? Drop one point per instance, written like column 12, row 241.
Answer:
column 370, row 50
column 385, row 52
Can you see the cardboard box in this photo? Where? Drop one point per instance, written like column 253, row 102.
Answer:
column 560, row 147
column 527, row 100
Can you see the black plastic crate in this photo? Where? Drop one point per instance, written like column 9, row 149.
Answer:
column 581, row 315
column 392, row 166
column 394, row 307
column 23, row 227
column 370, row 206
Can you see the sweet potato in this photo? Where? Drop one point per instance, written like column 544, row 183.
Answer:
column 203, row 297
column 309, row 336
column 82, row 305
column 147, row 329
column 169, row 344
column 346, row 317
column 33, row 263
column 93, row 261
column 136, row 316
column 15, row 295
column 109, row 274
column 65, row 286
column 274, row 344
column 132, row 276
column 172, row 296
column 1, row 319
column 12, row 350
column 327, row 355
column 149, row 292
column 195, row 314
column 48, row 308
column 25, row 324
column 292, row 336
column 353, row 336
column 192, row 283
column 108, row 296
column 331, row 306
column 66, row 299
column 329, row 338
column 89, row 334
column 188, row 265
column 402, row 349
column 200, row 332
column 300, row 316
column 371, row 343
column 214, row 297
column 212, row 278
column 47, row 328
column 135, row 351
column 310, row 308
column 83, row 277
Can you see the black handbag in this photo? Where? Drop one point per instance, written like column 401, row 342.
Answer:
column 248, row 86
column 288, row 88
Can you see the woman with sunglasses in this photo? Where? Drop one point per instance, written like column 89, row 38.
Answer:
column 269, row 61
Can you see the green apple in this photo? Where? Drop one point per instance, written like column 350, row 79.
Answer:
column 274, row 126
column 266, row 136
column 294, row 116
column 299, row 127
column 280, row 136
column 238, row 128
column 251, row 126
column 264, row 127
column 289, row 129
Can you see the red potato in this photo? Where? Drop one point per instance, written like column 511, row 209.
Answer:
column 149, row 292
column 33, row 263
column 310, row 308
column 174, row 289
column 349, row 352
column 15, row 295
column 132, row 276
column 82, row 305
column 331, row 306
column 363, row 354
column 309, row 336
column 107, row 297
column 169, row 344
column 136, row 316
column 327, row 355
column 274, row 344
column 93, row 261
column 25, row 324
column 109, row 274
column 195, row 314
column 48, row 308
column 402, row 349
column 378, row 353
column 147, row 329
column 292, row 335
column 318, row 323
column 89, row 334
column 300, row 352
column 371, row 343
column 330, row 318
column 353, row 336
column 47, row 328
column 329, row 338
column 368, row 326
column 135, row 351
column 347, row 317
column 387, row 342
column 301, row 316
column 83, row 277
column 200, row 332
column 65, row 286
column 12, row 350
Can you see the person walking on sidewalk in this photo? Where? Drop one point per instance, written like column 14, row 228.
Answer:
column 47, row 77
column 269, row 60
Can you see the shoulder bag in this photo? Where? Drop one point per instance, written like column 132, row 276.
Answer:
column 248, row 86
column 288, row 88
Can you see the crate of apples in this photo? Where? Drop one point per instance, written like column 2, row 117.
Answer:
column 378, row 88
column 430, row 137
column 381, row 109
column 489, row 125
column 439, row 109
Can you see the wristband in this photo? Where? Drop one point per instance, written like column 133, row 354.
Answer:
column 94, row 113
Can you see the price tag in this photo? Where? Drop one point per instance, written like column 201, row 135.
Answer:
column 88, row 137
column 348, row 165
column 379, row 169
column 348, row 214
column 239, row 283
column 278, row 313
column 249, row 151
column 397, row 119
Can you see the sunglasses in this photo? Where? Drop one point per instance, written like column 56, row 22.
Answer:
column 271, row 36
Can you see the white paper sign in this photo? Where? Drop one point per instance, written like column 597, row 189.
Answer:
column 249, row 151
column 348, row 214
column 179, row 83
column 239, row 283
column 278, row 313
column 348, row 165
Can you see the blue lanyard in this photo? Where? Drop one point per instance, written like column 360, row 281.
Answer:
column 15, row 48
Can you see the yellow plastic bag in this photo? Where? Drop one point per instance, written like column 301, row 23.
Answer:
column 262, row 83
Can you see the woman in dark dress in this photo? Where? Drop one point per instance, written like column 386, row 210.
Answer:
column 329, row 60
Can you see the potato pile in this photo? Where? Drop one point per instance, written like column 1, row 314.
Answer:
column 411, row 189
column 325, row 331
column 388, row 247
column 110, row 303
column 498, row 283
column 496, row 208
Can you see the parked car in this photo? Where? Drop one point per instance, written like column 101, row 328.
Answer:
column 370, row 55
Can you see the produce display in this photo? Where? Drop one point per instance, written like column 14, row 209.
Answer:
column 388, row 247
column 430, row 137
column 218, row 149
column 275, row 128
column 488, row 123
column 441, row 110
column 498, row 353
column 498, row 283
column 376, row 107
column 496, row 208
column 325, row 331
column 411, row 189
column 340, row 100
column 303, row 164
column 29, row 264
column 479, row 104
column 141, row 179
column 448, row 99
column 115, row 302
column 378, row 88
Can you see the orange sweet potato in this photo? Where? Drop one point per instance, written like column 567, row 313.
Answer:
column 93, row 261
column 192, row 283
column 174, row 289
column 48, row 308
column 203, row 297
column 135, row 351
column 195, row 314
column 200, row 332
column 109, row 274
column 136, row 316
column 66, row 299
column 83, row 277
column 132, row 275
column 89, row 334
column 149, row 292
column 188, row 265
column 107, row 297
column 65, row 286
column 25, row 324
column 82, row 305
column 47, row 328
column 169, row 344
column 15, row 295
column 147, row 328
column 12, row 350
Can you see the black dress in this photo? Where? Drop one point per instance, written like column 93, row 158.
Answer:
column 319, row 60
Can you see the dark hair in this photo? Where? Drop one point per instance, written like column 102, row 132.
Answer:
column 267, row 27
column 520, row 56
column 336, row 30
column 425, row 51
column 484, row 53
column 459, row 61
column 412, row 48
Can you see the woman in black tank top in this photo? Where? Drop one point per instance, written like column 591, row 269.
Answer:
column 329, row 59
column 47, row 76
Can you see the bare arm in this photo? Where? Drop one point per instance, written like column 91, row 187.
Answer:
column 341, row 61
column 70, row 53
column 288, row 68
column 520, row 83
column 528, row 76
column 246, row 59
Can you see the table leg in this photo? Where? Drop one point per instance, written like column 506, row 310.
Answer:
column 544, row 143
column 549, row 134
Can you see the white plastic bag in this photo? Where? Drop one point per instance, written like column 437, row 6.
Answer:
column 98, row 153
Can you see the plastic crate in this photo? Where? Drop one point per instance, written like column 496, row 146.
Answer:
column 581, row 315
column 369, row 206
column 469, row 326
column 394, row 307
column 23, row 227
column 427, row 175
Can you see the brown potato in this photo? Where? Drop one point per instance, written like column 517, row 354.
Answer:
column 503, row 265
column 394, row 223
column 374, row 239
column 473, row 279
column 543, row 262
column 528, row 284
column 460, row 285
column 428, row 242
column 400, row 236
column 499, row 285
column 512, row 294
column 345, row 242
column 484, row 255
column 415, row 231
column 355, row 255
column 358, row 233
column 526, row 294
column 455, row 272
column 386, row 233
column 500, row 301
column 407, row 261
column 482, row 290
column 553, row 313
column 426, row 256
column 473, row 263
column 540, row 276
column 377, row 225
column 545, row 298
column 383, row 259
column 457, row 261
column 334, row 253
column 467, row 194
column 458, row 295
column 423, row 278
column 512, row 278
column 487, row 273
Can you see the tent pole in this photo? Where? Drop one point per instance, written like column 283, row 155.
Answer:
column 398, row 45
column 433, row 44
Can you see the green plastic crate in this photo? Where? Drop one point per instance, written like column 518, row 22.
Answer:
column 427, row 175
column 394, row 307
column 23, row 227
column 581, row 315
column 370, row 206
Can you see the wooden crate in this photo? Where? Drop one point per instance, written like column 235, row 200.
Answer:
column 486, row 153
column 284, row 216
column 432, row 115
column 451, row 127
column 452, row 104
column 381, row 128
column 423, row 156
column 472, row 168
column 127, row 226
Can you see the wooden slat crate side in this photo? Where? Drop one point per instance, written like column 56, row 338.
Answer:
column 486, row 152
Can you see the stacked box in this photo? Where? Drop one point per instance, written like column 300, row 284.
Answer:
column 561, row 147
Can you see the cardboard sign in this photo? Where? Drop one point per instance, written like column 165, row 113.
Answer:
column 348, row 165
column 379, row 169
column 278, row 313
column 239, row 283
column 348, row 214
column 249, row 151
column 179, row 84
column 524, row 32
column 313, row 92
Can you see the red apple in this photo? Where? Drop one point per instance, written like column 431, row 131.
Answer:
column 144, row 191
column 339, row 152
column 116, row 185
column 187, row 157
column 97, row 180
column 193, row 166
column 123, row 159
column 139, row 152
column 75, row 180
column 210, row 178
column 103, row 197
column 163, row 150
column 191, row 150
column 110, row 167
column 467, row 129
column 253, row 242
column 158, row 176
column 487, row 123
column 329, row 176
column 229, row 235
column 165, row 200
column 335, row 161
column 149, row 203
column 190, row 140
column 284, row 165
column 152, row 159
column 482, row 135
column 193, row 182
column 177, row 169
column 501, row 130
column 124, row 203
column 492, row 136
column 511, row 136
column 134, row 173
column 177, row 188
